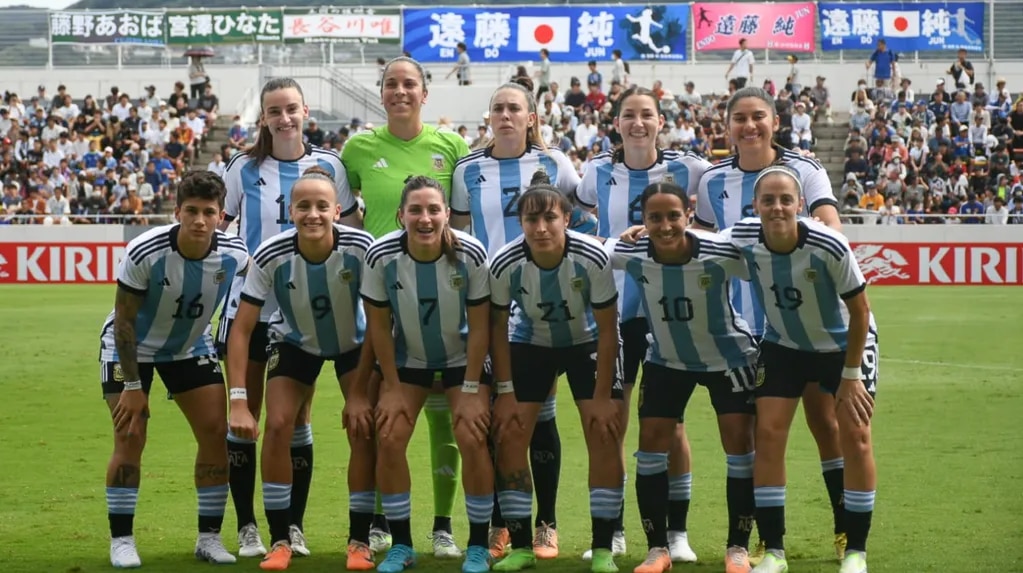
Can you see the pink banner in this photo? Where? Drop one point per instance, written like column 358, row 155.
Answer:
column 787, row 27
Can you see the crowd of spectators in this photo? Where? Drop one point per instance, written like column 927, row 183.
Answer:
column 114, row 158
column 955, row 151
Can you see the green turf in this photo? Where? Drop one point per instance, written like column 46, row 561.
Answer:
column 946, row 433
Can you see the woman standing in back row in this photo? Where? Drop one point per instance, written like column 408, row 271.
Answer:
column 379, row 161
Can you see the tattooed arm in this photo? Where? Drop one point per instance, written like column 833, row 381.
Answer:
column 126, row 309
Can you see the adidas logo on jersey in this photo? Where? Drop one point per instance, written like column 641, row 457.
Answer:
column 165, row 282
column 381, row 163
column 481, row 179
column 260, row 182
column 397, row 286
column 642, row 279
column 523, row 291
column 612, row 182
column 724, row 195
column 291, row 285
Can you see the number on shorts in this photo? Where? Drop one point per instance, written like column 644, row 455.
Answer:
column 678, row 309
column 868, row 367
column 192, row 309
column 431, row 307
column 787, row 298
column 512, row 194
column 321, row 306
column 743, row 379
column 555, row 311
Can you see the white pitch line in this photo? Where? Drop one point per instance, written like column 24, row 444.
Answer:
column 954, row 365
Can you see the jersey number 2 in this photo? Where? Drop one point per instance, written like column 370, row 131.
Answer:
column 511, row 194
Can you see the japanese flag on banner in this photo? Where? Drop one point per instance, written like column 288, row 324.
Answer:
column 900, row 23
column 536, row 33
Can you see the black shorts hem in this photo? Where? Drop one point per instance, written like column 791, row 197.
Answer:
column 290, row 361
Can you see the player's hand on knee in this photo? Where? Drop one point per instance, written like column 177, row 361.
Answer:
column 391, row 408
column 357, row 418
column 475, row 416
column 130, row 412
column 853, row 397
column 506, row 417
column 605, row 419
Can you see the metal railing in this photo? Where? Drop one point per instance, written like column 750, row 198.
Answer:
column 24, row 42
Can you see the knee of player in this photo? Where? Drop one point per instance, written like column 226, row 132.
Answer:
column 855, row 439
column 771, row 432
column 511, row 439
column 737, row 434
column 395, row 442
column 654, row 437
column 278, row 428
column 469, row 443
column 211, row 430
column 130, row 446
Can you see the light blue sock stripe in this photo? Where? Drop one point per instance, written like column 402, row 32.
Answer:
column 515, row 504
column 362, row 501
column 397, row 506
column 835, row 464
column 769, row 496
column 122, row 500
column 549, row 409
column 212, row 500
column 479, row 508
column 859, row 501
column 303, row 436
column 605, row 503
column 651, row 463
column 436, row 403
column 235, row 439
column 276, row 496
column 740, row 466
column 680, row 488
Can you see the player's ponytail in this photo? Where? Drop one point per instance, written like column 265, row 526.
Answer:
column 448, row 241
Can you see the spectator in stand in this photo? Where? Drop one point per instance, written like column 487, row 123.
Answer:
column 884, row 61
column 742, row 66
column 978, row 136
column 1016, row 213
column 1016, row 123
column 461, row 67
column 594, row 77
column 938, row 106
column 595, row 100
column 197, row 78
column 691, row 97
column 620, row 68
column 801, row 133
column 890, row 212
column 313, row 134
column 122, row 109
column 961, row 71
column 585, row 132
column 217, row 165
column 209, row 106
column 575, row 98
column 997, row 213
column 972, row 210
column 939, row 88
column 1000, row 89
column 960, row 110
column 961, row 143
column 872, row 200
column 821, row 97
column 543, row 74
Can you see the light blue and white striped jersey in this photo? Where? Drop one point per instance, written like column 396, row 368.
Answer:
column 429, row 300
column 693, row 326
column 803, row 292
column 260, row 194
column 726, row 195
column 180, row 295
column 319, row 309
column 614, row 189
column 488, row 190
column 553, row 307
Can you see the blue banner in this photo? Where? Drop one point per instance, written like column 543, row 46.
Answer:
column 926, row 26
column 570, row 33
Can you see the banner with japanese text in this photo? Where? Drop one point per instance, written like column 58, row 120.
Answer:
column 107, row 27
column 576, row 33
column 223, row 26
column 343, row 25
column 926, row 26
column 720, row 26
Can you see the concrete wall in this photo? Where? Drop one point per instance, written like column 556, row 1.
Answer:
column 466, row 104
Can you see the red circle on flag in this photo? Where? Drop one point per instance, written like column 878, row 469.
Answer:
column 543, row 33
column 901, row 23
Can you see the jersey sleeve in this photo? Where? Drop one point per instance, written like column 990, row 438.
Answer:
column 845, row 272
column 233, row 183
column 350, row 160
column 817, row 190
column 568, row 178
column 133, row 277
column 258, row 284
column 459, row 191
column 603, row 290
column 697, row 166
column 373, row 289
column 586, row 190
column 479, row 284
column 345, row 197
column 704, row 214
column 500, row 289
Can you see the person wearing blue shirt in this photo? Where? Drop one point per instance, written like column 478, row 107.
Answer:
column 970, row 208
column 885, row 60
column 938, row 107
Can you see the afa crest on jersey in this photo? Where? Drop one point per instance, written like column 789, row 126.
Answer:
column 704, row 281
column 668, row 178
column 219, row 276
column 346, row 275
column 810, row 275
column 456, row 281
column 438, row 162
column 578, row 284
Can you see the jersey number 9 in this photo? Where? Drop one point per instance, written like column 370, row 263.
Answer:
column 787, row 298
column 321, row 306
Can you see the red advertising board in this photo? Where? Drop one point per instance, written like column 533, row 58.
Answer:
column 941, row 264
column 59, row 262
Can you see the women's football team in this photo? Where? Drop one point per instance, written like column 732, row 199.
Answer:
column 473, row 310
